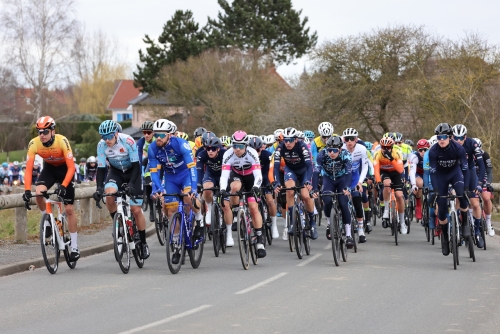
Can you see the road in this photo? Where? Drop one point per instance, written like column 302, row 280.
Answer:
column 384, row 288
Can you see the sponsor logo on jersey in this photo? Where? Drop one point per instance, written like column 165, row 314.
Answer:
column 186, row 146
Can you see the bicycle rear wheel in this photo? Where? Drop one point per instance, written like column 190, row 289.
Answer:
column 335, row 235
column 411, row 208
column 319, row 208
column 222, row 230
column 470, row 246
column 394, row 218
column 175, row 243
column 291, row 243
column 264, row 227
column 196, row 252
column 136, row 239
column 120, row 244
column 453, row 238
column 425, row 219
column 298, row 232
column 266, row 222
column 66, row 238
column 483, row 230
column 243, row 239
column 343, row 246
column 216, row 227
column 160, row 225
column 50, row 247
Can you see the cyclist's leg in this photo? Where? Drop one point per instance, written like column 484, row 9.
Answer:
column 474, row 205
column 253, row 208
column 271, row 207
column 366, row 205
column 328, row 185
column 397, row 183
column 290, row 181
column 46, row 180
column 418, row 197
column 487, row 208
column 208, row 182
column 344, row 208
column 149, row 189
column 386, row 193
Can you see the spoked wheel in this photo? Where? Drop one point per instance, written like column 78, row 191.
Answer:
column 120, row 245
column 319, row 208
column 343, row 246
column 453, row 238
column 336, row 237
column 196, row 252
column 50, row 247
column 253, row 248
column 137, row 252
column 298, row 232
column 408, row 220
column 291, row 243
column 216, row 229
column 306, row 234
column 66, row 238
column 243, row 239
column 483, row 231
column 222, row 231
column 470, row 246
column 354, row 231
column 264, row 222
column 160, row 224
column 266, row 219
column 425, row 220
column 411, row 208
column 175, row 244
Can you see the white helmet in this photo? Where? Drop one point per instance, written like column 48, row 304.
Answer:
column 350, row 132
column 277, row 133
column 300, row 134
column 16, row 163
column 269, row 140
column 91, row 159
column 459, row 130
column 479, row 142
column 307, row 141
column 325, row 129
column 164, row 125
column 432, row 140
column 290, row 133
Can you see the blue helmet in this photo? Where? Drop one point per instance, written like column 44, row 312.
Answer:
column 108, row 127
column 368, row 145
column 309, row 134
column 4, row 165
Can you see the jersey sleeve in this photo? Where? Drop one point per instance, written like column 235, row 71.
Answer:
column 68, row 156
column 364, row 165
column 376, row 166
column 154, row 168
column 101, row 154
column 30, row 159
column 226, row 168
column 188, row 158
column 133, row 153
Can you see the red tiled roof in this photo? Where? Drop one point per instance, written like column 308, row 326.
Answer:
column 123, row 93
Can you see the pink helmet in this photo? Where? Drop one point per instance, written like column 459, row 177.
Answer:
column 239, row 137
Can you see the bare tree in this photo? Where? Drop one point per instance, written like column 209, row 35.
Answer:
column 39, row 35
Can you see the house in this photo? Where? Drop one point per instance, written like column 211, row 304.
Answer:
column 124, row 91
column 146, row 107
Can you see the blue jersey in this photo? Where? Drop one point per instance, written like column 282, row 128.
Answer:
column 297, row 159
column 15, row 170
column 265, row 158
column 174, row 158
column 214, row 166
column 333, row 168
column 474, row 155
column 447, row 160
column 120, row 156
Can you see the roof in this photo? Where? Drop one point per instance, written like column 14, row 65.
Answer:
column 146, row 99
column 124, row 92
column 132, row 131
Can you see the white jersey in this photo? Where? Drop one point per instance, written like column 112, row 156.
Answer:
column 247, row 164
column 413, row 162
column 359, row 162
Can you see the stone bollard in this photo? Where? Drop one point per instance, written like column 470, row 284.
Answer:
column 85, row 212
column 21, row 223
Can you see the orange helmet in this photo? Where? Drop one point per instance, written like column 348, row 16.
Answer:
column 386, row 141
column 46, row 122
column 197, row 142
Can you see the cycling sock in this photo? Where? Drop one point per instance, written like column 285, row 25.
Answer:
column 311, row 216
column 142, row 235
column 112, row 214
column 258, row 233
column 347, row 229
column 43, row 212
column 273, row 220
column 444, row 229
column 198, row 215
column 401, row 218
column 488, row 220
column 73, row 236
column 477, row 225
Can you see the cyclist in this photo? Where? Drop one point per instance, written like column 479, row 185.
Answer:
column 56, row 153
column 225, row 141
column 428, row 184
column 81, row 170
column 241, row 169
column 35, row 172
column 474, row 186
column 174, row 156
column 120, row 150
column 388, row 168
column 325, row 130
column 278, row 138
column 335, row 164
column 298, row 170
column 91, row 169
column 265, row 158
column 487, row 193
column 422, row 147
column 359, row 160
column 5, row 173
column 142, row 150
column 448, row 165
column 15, row 170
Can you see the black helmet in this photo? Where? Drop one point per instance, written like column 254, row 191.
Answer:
column 199, row 132
column 443, row 129
column 334, row 142
column 212, row 141
column 255, row 143
column 409, row 142
column 207, row 135
column 147, row 125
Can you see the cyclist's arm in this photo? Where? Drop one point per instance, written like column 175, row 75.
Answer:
column 413, row 160
column 30, row 160
column 348, row 170
column 101, row 164
column 140, row 147
column 314, row 150
column 200, row 167
column 397, row 162
column 154, row 169
column 188, row 159
column 271, row 170
column 276, row 165
column 364, row 165
column 317, row 171
column 433, row 167
column 226, row 168
column 68, row 156
column 376, row 167
column 307, row 160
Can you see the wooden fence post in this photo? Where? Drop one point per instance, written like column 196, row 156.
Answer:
column 21, row 223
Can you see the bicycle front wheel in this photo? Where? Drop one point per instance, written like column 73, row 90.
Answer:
column 483, row 231
column 50, row 246
column 319, row 208
column 335, row 236
column 120, row 243
column 298, row 232
column 453, row 238
column 216, row 228
column 425, row 219
column 196, row 252
column 160, row 224
column 289, row 221
column 66, row 238
column 175, row 244
column 243, row 239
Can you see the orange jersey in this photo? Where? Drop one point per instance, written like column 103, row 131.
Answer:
column 271, row 169
column 58, row 154
column 386, row 165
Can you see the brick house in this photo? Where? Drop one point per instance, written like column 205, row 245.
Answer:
column 124, row 91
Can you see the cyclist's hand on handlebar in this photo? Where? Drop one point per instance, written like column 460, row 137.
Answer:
column 27, row 195
column 276, row 186
column 60, row 191
column 97, row 195
column 479, row 189
column 308, row 185
column 347, row 191
column 315, row 193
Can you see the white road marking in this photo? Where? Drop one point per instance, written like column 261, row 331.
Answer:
column 258, row 285
column 309, row 260
column 328, row 246
column 169, row 319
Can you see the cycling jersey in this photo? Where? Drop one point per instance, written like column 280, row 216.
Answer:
column 4, row 173
column 405, row 151
column 91, row 172
column 57, row 154
column 445, row 160
column 247, row 164
column 15, row 170
column 296, row 159
column 333, row 168
column 205, row 164
column 120, row 156
column 381, row 163
column 265, row 158
column 316, row 146
column 359, row 163
column 489, row 167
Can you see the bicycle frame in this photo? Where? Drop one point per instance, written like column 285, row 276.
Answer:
column 186, row 227
column 60, row 213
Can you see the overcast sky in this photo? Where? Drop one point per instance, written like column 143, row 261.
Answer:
column 130, row 20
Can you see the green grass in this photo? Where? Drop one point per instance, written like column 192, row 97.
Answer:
column 8, row 218
column 13, row 156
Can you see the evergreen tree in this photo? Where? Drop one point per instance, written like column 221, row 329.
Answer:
column 270, row 26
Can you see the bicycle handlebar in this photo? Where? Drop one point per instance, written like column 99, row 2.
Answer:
column 181, row 196
column 43, row 194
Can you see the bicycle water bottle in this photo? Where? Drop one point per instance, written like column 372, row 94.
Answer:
column 129, row 225
column 302, row 218
column 59, row 226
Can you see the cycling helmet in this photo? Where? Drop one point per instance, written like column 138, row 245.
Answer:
column 409, row 142
column 225, row 140
column 263, row 138
column 423, row 143
column 119, row 127
column 182, row 135
column 199, row 132
column 147, row 125
column 290, row 133
column 164, row 125
column 46, row 122
column 479, row 142
column 23, row 166
column 212, row 141
column 83, row 160
column 108, row 127
column 335, row 142
column 206, row 136
column 300, row 134
column 368, row 145
column 5, row 165
column 269, row 140
column 16, row 163
column 309, row 134
column 239, row 137
column 386, row 141
column 398, row 137
column 444, row 129
column 255, row 143
column 325, row 129
column 278, row 134
column 91, row 159
column 432, row 140
column 350, row 132
column 459, row 130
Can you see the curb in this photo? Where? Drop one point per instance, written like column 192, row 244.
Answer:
column 18, row 267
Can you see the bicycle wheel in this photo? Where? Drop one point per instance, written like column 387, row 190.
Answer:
column 394, row 218
column 470, row 246
column 145, row 200
column 120, row 244
column 196, row 252
column 343, row 246
column 306, row 235
column 223, row 230
column 253, row 247
column 175, row 243
column 243, row 239
column 297, row 232
column 264, row 227
column 407, row 220
column 411, row 209
column 266, row 221
column 291, row 243
column 335, row 235
column 453, row 238
column 216, row 240
column 50, row 247
column 136, row 239
column 160, row 224
column 67, row 239
column 425, row 219
column 354, row 230
column 319, row 208
column 483, row 231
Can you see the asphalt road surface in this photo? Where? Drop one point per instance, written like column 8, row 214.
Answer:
column 410, row 288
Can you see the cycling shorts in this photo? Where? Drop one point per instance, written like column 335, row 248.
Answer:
column 52, row 174
column 116, row 180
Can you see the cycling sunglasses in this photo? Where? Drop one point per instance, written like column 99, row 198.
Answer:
column 211, row 148
column 349, row 138
column 386, row 147
column 147, row 132
column 238, row 146
column 108, row 136
column 422, row 149
column 160, row 135
column 442, row 137
column 289, row 140
column 325, row 137
column 332, row 150
column 459, row 137
column 43, row 132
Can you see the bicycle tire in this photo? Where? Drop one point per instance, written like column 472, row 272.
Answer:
column 483, row 231
column 343, row 246
column 470, row 247
column 196, row 251
column 306, row 235
column 264, row 227
column 354, row 230
column 223, row 230
column 432, row 232
column 297, row 233
column 394, row 221
column 291, row 243
column 425, row 219
column 253, row 249
column 123, row 251
column 411, row 209
column 216, row 240
column 267, row 223
column 145, row 200
column 335, row 236
column 136, row 252
column 243, row 239
column 160, row 225
column 453, row 238
column 319, row 208
column 67, row 253
column 50, row 246
column 407, row 221
column 175, row 243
